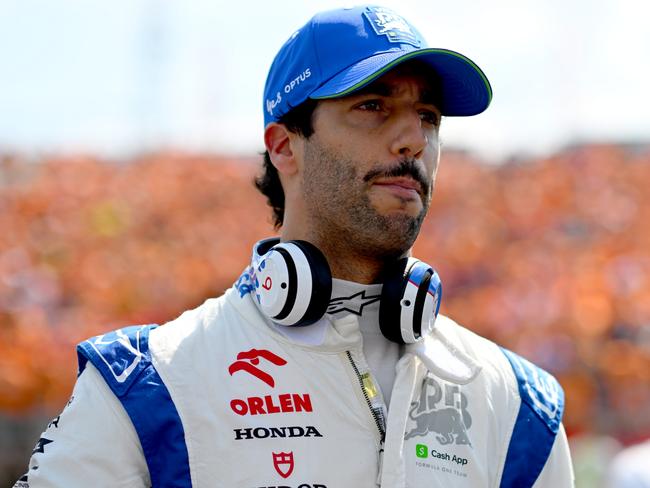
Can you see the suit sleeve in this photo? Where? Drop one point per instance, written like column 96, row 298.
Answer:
column 558, row 470
column 92, row 443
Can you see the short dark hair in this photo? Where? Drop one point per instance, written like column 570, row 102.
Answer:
column 299, row 121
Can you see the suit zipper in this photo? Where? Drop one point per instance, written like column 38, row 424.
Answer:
column 378, row 423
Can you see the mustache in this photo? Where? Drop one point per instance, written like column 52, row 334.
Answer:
column 406, row 167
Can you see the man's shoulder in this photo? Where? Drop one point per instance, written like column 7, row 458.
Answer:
column 484, row 352
column 216, row 323
column 487, row 353
column 510, row 373
column 137, row 340
column 193, row 322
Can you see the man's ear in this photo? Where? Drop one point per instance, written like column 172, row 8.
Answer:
column 279, row 144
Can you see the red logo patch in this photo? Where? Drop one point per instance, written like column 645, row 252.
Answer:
column 248, row 361
column 283, row 463
column 284, row 403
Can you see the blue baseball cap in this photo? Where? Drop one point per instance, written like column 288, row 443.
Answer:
column 340, row 51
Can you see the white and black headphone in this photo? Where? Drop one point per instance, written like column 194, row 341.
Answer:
column 293, row 287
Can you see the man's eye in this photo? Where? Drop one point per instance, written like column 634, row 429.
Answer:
column 430, row 117
column 370, row 105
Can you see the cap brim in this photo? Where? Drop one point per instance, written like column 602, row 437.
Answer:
column 465, row 88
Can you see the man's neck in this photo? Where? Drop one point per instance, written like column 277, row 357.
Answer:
column 355, row 269
column 346, row 262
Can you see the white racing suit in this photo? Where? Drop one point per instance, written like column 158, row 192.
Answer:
column 221, row 397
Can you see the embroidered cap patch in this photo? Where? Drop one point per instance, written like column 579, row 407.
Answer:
column 387, row 23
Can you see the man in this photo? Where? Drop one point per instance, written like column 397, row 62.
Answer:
column 322, row 366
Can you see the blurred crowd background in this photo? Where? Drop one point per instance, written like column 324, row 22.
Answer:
column 549, row 257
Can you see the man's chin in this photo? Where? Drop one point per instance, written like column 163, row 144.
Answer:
column 401, row 219
column 392, row 234
column 401, row 214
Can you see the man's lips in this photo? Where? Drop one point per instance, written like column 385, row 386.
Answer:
column 402, row 186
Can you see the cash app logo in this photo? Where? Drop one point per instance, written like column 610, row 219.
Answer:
column 421, row 450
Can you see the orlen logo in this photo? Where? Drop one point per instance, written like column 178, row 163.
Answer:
column 248, row 361
column 284, row 403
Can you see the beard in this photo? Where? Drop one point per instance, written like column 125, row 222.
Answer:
column 341, row 213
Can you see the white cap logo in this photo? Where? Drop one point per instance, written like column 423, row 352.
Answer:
column 387, row 23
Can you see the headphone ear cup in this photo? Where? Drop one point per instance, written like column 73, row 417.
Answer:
column 410, row 301
column 293, row 283
column 321, row 281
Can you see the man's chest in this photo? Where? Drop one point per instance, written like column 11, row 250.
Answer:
column 449, row 438
column 269, row 417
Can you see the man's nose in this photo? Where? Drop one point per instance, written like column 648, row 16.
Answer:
column 410, row 138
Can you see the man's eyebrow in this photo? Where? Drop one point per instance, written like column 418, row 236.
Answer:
column 427, row 96
column 430, row 97
column 376, row 88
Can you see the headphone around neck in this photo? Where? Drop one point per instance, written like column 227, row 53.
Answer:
column 293, row 287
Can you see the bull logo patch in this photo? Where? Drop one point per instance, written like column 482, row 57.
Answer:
column 283, row 463
column 441, row 410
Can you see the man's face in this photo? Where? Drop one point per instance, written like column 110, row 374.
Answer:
column 369, row 167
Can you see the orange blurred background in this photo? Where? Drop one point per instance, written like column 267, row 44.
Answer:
column 548, row 257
